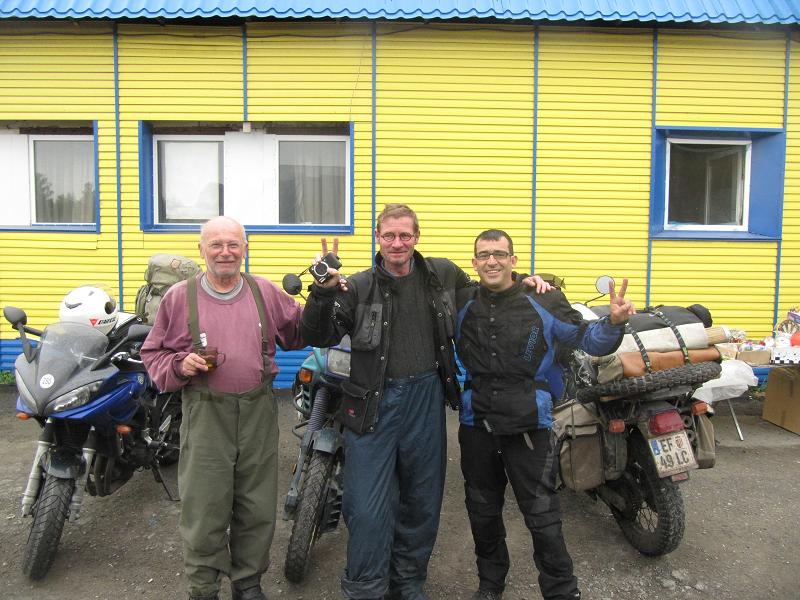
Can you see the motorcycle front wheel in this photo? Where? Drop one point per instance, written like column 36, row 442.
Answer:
column 653, row 520
column 310, row 504
column 49, row 514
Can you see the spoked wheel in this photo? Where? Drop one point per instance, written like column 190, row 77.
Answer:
column 307, row 516
column 690, row 374
column 49, row 514
column 653, row 519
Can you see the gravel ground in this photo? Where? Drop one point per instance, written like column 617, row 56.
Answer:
column 741, row 541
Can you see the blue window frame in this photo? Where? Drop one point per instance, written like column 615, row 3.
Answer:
column 717, row 183
column 298, row 181
column 50, row 174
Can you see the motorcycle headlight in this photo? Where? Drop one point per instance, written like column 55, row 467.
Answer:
column 339, row 362
column 77, row 397
column 25, row 394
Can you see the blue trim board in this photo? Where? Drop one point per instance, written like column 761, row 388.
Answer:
column 146, row 216
column 534, row 142
column 96, row 153
column 779, row 249
column 121, row 284
column 653, row 171
column 244, row 73
column 374, row 120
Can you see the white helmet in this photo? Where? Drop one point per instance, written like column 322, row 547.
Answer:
column 91, row 306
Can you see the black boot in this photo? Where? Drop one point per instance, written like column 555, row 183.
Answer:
column 252, row 592
column 208, row 596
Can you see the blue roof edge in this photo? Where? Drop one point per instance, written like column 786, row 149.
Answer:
column 368, row 13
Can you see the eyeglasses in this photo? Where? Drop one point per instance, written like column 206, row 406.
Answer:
column 404, row 237
column 498, row 255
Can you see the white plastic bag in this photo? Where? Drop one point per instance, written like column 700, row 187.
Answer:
column 734, row 380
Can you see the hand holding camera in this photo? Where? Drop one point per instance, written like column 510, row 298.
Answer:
column 325, row 268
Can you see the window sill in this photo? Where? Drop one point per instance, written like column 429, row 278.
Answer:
column 183, row 227
column 743, row 236
column 58, row 228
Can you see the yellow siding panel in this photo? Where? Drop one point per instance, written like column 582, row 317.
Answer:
column 720, row 79
column 454, row 133
column 593, row 157
column 734, row 280
column 59, row 72
column 790, row 247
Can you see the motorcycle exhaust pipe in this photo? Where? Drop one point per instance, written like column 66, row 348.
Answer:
column 35, row 476
column 80, row 482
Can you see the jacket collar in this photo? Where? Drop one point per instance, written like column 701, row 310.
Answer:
column 386, row 278
column 488, row 294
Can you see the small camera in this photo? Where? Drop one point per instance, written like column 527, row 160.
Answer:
column 320, row 270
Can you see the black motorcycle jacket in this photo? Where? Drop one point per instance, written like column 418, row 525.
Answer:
column 365, row 312
column 507, row 341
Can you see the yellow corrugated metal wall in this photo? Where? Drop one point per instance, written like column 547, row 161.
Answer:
column 719, row 79
column 789, row 293
column 314, row 72
column 454, row 132
column 61, row 72
column 593, row 157
column 295, row 72
column 454, row 138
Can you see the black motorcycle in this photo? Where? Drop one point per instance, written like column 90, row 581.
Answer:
column 314, row 500
column 630, row 442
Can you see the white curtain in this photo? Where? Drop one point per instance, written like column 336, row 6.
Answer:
column 189, row 180
column 64, row 181
column 312, row 182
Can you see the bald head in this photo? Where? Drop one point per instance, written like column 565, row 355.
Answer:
column 222, row 223
column 223, row 247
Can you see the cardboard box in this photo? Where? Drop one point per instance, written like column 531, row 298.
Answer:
column 782, row 404
column 755, row 357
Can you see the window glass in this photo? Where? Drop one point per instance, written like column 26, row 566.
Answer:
column 63, row 181
column 189, row 181
column 707, row 185
column 312, row 180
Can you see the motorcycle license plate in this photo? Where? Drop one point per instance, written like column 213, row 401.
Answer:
column 672, row 453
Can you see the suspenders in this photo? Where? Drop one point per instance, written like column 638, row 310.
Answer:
column 194, row 320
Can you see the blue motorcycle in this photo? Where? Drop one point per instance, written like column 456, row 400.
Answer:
column 314, row 500
column 101, row 418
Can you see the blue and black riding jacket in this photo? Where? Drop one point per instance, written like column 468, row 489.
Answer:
column 507, row 341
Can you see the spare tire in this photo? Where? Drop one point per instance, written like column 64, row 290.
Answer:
column 686, row 375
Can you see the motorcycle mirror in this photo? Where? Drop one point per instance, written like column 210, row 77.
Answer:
column 292, row 284
column 15, row 316
column 603, row 284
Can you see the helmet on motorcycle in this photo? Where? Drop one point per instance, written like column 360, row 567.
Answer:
column 91, row 306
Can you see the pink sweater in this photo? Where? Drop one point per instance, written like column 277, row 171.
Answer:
column 231, row 326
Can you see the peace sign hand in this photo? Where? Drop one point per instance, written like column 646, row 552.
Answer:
column 621, row 309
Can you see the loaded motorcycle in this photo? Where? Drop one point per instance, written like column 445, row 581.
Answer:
column 101, row 418
column 630, row 442
column 314, row 500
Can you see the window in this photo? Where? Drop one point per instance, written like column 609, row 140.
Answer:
column 717, row 183
column 189, row 184
column 50, row 180
column 707, row 186
column 292, row 181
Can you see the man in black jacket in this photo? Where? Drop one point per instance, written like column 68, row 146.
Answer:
column 506, row 339
column 400, row 316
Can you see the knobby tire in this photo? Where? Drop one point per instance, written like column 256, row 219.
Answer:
column 50, row 513
column 653, row 522
column 310, row 504
column 690, row 374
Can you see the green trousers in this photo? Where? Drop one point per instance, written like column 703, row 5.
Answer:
column 228, row 480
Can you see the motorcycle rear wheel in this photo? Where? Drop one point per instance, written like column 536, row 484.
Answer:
column 653, row 521
column 173, row 437
column 310, row 504
column 49, row 515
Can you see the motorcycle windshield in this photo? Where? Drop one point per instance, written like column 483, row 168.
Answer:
column 75, row 344
column 65, row 354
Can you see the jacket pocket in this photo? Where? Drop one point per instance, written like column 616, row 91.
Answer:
column 368, row 333
column 357, row 409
